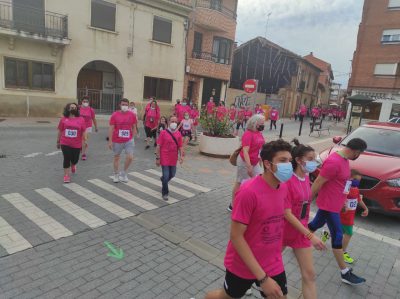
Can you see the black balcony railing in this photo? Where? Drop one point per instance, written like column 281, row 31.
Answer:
column 210, row 57
column 33, row 21
column 216, row 5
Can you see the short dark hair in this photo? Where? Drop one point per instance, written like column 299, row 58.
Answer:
column 299, row 150
column 270, row 149
column 355, row 172
column 125, row 100
column 67, row 113
column 357, row 144
column 85, row 98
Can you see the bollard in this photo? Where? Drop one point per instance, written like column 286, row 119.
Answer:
column 301, row 126
column 312, row 126
column 280, row 134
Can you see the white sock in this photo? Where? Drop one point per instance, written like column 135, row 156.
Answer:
column 344, row 271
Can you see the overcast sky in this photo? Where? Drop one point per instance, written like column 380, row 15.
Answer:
column 326, row 27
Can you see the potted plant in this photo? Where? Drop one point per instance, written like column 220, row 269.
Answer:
column 217, row 139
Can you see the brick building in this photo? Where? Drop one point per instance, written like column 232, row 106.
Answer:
column 375, row 67
column 210, row 40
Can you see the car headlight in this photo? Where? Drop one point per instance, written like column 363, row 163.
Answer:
column 394, row 182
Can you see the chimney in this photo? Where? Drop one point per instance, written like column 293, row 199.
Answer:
column 311, row 53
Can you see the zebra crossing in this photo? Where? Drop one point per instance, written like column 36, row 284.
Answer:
column 82, row 202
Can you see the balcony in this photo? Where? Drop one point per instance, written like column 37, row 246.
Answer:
column 210, row 57
column 206, row 64
column 31, row 23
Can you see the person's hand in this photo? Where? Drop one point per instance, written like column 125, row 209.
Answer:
column 181, row 160
column 250, row 171
column 58, row 145
column 317, row 243
column 365, row 213
column 158, row 162
column 271, row 289
column 110, row 145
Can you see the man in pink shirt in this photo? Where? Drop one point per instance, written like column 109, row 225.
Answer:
column 254, row 252
column 169, row 147
column 120, row 138
column 274, row 116
column 332, row 186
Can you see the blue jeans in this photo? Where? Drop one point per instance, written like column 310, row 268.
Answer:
column 334, row 225
column 168, row 172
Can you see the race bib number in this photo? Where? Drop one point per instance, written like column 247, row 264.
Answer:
column 186, row 127
column 71, row 133
column 351, row 204
column 347, row 187
column 124, row 134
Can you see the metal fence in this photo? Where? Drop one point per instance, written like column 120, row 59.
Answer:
column 216, row 5
column 34, row 21
column 103, row 102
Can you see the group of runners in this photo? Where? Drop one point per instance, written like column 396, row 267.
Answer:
column 317, row 112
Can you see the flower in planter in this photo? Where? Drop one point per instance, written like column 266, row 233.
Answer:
column 217, row 123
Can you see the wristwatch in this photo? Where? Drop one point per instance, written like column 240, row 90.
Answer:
column 261, row 281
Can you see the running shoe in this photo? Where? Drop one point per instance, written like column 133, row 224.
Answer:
column 123, row 177
column 325, row 236
column 116, row 178
column 73, row 168
column 351, row 278
column 165, row 197
column 67, row 179
column 84, row 157
column 347, row 258
column 147, row 147
column 230, row 208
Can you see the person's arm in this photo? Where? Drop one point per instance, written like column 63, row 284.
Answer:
column 316, row 242
column 95, row 124
column 364, row 207
column 158, row 155
column 247, row 160
column 180, row 125
column 317, row 185
column 58, row 138
column 110, row 133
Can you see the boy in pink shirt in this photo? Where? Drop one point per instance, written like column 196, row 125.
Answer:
column 274, row 115
column 254, row 253
column 332, row 186
column 89, row 116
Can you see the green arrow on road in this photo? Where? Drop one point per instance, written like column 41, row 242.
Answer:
column 114, row 252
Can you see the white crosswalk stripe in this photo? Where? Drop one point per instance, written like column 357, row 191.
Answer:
column 182, row 182
column 100, row 201
column 150, row 180
column 10, row 239
column 55, row 229
column 148, row 191
column 123, row 194
column 71, row 208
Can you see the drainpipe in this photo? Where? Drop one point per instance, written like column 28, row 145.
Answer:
column 27, row 106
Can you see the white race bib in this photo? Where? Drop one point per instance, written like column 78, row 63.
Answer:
column 124, row 133
column 71, row 133
column 351, row 204
column 347, row 187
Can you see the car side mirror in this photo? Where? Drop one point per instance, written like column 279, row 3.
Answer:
column 337, row 139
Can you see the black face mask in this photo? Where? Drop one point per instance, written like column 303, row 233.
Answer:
column 74, row 112
column 260, row 128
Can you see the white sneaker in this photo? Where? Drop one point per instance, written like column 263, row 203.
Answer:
column 123, row 177
column 116, row 178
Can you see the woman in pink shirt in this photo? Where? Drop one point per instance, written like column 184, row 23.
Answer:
column 248, row 161
column 182, row 109
column 210, row 106
column 195, row 114
column 152, row 118
column 297, row 213
column 71, row 135
column 89, row 116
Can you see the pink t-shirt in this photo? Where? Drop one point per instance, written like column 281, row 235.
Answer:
column 247, row 114
column 168, row 148
column 254, row 140
column 181, row 110
column 232, row 113
column 210, row 107
column 298, row 200
column 261, row 208
column 194, row 114
column 72, row 129
column 274, row 114
column 123, row 123
column 303, row 110
column 333, row 193
column 152, row 118
column 259, row 111
column 88, row 115
column 221, row 112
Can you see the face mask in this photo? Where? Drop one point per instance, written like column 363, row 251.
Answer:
column 73, row 111
column 183, row 104
column 173, row 126
column 310, row 166
column 355, row 183
column 85, row 104
column 260, row 128
column 186, row 117
column 124, row 108
column 284, row 171
column 152, row 108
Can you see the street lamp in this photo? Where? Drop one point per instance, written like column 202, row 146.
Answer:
column 266, row 26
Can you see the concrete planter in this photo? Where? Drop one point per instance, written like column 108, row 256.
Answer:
column 218, row 146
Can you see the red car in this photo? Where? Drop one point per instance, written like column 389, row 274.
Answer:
column 379, row 164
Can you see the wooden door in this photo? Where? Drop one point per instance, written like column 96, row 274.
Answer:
column 90, row 79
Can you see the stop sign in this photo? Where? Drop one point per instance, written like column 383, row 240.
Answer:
column 250, row 85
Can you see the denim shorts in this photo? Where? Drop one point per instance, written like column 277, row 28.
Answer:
column 128, row 147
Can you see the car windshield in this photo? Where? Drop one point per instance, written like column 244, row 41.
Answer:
column 381, row 141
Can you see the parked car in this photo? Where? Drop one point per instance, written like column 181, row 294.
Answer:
column 379, row 164
column 395, row 120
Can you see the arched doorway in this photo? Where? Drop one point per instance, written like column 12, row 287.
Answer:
column 102, row 83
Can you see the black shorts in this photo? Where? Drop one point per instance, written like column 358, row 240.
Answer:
column 236, row 287
column 150, row 133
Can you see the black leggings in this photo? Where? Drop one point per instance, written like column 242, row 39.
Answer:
column 71, row 155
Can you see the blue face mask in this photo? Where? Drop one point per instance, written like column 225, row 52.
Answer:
column 310, row 166
column 355, row 183
column 284, row 171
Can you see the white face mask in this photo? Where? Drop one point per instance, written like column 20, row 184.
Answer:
column 173, row 126
column 85, row 104
column 124, row 108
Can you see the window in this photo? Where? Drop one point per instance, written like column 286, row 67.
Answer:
column 198, row 41
column 103, row 15
column 394, row 4
column 28, row 74
column 222, row 50
column 391, row 36
column 162, row 30
column 395, row 111
column 216, row 4
column 159, row 88
column 386, row 69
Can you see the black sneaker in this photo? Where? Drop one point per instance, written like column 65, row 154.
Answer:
column 147, row 147
column 351, row 278
column 230, row 208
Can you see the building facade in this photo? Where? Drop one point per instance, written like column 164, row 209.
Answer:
column 54, row 51
column 375, row 66
column 281, row 74
column 210, row 42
